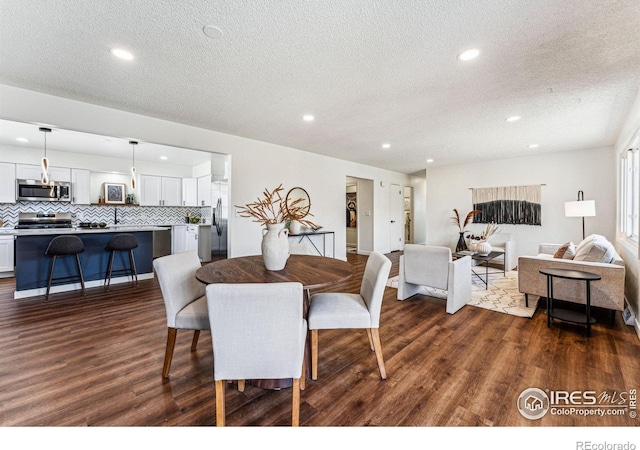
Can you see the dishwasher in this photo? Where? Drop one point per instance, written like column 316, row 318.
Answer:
column 161, row 243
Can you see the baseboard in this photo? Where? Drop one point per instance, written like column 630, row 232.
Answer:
column 76, row 286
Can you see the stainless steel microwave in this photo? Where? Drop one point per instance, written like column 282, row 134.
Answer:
column 36, row 191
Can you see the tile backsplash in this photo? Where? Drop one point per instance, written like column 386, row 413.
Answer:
column 127, row 215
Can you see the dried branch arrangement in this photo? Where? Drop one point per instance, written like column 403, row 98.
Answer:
column 489, row 231
column 455, row 219
column 272, row 209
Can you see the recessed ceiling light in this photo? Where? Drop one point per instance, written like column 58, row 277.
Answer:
column 468, row 54
column 386, row 145
column 164, row 158
column 429, row 160
column 308, row 118
column 512, row 118
column 20, row 139
column 121, row 53
column 212, row 32
column 533, row 146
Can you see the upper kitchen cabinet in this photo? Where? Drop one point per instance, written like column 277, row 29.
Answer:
column 160, row 191
column 7, row 183
column 189, row 192
column 80, row 186
column 34, row 172
column 204, row 190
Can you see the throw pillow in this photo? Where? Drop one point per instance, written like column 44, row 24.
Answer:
column 571, row 252
column 566, row 251
column 598, row 250
column 586, row 241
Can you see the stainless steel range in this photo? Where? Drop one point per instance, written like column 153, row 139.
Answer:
column 44, row 220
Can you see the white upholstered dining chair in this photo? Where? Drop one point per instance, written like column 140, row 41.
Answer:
column 331, row 310
column 258, row 332
column 184, row 299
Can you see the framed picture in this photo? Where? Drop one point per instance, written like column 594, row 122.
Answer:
column 115, row 193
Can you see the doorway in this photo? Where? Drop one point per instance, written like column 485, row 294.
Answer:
column 359, row 215
column 397, row 217
column 352, row 217
column 408, row 215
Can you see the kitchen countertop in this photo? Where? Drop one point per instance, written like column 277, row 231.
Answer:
column 108, row 229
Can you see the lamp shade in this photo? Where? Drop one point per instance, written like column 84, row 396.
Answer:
column 581, row 208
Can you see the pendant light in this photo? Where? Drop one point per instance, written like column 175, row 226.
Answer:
column 133, row 164
column 45, row 160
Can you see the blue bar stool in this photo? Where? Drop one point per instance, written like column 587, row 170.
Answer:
column 62, row 246
column 124, row 242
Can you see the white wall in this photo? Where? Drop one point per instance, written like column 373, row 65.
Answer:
column 254, row 165
column 366, row 216
column 563, row 175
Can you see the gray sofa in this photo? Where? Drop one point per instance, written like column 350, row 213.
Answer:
column 594, row 254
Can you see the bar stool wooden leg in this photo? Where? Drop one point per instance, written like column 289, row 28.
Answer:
column 53, row 264
column 132, row 261
column 81, row 274
column 109, row 269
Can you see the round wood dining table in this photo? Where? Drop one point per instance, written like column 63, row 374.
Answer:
column 313, row 272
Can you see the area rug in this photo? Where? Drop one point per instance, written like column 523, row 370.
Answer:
column 501, row 296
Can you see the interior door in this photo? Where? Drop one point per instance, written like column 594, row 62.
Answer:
column 396, row 216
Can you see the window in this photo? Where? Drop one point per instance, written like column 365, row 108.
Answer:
column 630, row 190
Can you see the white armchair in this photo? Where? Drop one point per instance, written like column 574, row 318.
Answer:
column 504, row 243
column 433, row 266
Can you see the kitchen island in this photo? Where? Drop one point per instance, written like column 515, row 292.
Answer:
column 32, row 265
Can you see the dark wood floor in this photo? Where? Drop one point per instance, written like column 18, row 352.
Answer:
column 96, row 361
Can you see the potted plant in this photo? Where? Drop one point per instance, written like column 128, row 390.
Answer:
column 481, row 243
column 273, row 212
column 462, row 225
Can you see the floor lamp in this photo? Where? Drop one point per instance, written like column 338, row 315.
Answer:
column 580, row 208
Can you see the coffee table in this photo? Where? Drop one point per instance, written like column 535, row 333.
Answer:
column 484, row 260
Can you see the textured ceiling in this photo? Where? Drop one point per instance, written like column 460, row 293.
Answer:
column 369, row 71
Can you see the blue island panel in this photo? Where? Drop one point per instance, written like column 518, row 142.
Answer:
column 33, row 266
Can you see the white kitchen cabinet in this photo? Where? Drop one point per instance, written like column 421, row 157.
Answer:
column 188, row 238
column 189, row 192
column 7, row 183
column 6, row 256
column 34, row 172
column 150, row 190
column 204, row 190
column 178, row 239
column 160, row 191
column 80, row 186
column 171, row 191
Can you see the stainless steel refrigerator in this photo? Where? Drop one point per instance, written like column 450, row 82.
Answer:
column 220, row 202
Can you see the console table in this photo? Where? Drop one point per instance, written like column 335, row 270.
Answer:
column 307, row 235
column 567, row 315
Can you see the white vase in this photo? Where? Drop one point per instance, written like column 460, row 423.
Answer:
column 275, row 246
column 483, row 248
column 295, row 227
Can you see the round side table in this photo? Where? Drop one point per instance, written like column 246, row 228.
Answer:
column 567, row 315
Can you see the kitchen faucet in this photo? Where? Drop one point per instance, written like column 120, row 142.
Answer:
column 115, row 215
